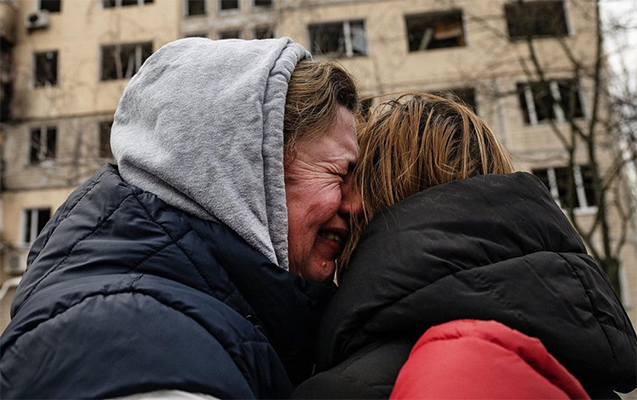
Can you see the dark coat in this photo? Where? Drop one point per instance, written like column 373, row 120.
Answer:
column 125, row 294
column 493, row 247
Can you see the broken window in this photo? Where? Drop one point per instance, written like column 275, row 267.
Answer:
column 46, row 68
column 105, row 139
column 339, row 39
column 231, row 34
column 124, row 3
column 228, row 4
column 570, row 188
column 52, row 6
column 33, row 221
column 558, row 100
column 122, row 61
column 544, row 18
column 263, row 3
column 43, row 143
column 435, row 30
column 263, row 32
column 195, row 7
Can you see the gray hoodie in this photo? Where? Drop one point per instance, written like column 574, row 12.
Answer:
column 201, row 126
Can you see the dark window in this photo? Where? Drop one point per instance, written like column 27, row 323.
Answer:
column 34, row 222
column 435, row 30
column 536, row 19
column 569, row 187
column 199, row 35
column 229, row 4
column 52, row 6
column 570, row 99
column 123, row 60
column 263, row 32
column 43, row 144
column 234, row 34
column 124, row 3
column 552, row 100
column 339, row 39
column 46, row 68
column 195, row 7
column 465, row 96
column 263, row 3
column 105, row 139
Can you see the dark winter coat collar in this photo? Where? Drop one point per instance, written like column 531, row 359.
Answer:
column 491, row 247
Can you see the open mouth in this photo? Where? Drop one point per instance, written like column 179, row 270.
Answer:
column 337, row 236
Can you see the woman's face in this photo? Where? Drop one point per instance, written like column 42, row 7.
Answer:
column 317, row 193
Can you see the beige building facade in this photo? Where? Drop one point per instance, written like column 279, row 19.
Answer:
column 70, row 64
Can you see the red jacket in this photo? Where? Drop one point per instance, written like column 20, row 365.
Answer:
column 470, row 359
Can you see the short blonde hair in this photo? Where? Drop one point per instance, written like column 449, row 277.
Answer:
column 315, row 91
column 414, row 142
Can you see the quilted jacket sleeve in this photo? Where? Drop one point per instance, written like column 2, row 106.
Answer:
column 470, row 359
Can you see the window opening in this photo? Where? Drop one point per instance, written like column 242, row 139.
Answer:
column 228, row 5
column 33, row 222
column 580, row 193
column 43, row 144
column 105, row 139
column 124, row 3
column 435, row 30
column 122, row 61
column 46, row 68
column 52, row 6
column 263, row 32
column 195, row 7
column 536, row 101
column 339, row 39
column 231, row 34
column 546, row 18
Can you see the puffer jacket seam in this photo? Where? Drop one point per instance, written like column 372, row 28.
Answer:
column 479, row 275
column 592, row 307
column 68, row 209
column 63, row 260
column 157, row 251
column 358, row 381
column 131, row 290
column 197, row 267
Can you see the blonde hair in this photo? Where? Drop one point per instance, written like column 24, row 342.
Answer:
column 315, row 91
column 415, row 142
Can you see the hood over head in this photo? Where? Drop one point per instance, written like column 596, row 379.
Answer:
column 201, row 126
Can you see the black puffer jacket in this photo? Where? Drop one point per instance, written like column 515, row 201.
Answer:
column 125, row 294
column 491, row 247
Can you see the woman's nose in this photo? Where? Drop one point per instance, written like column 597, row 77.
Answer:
column 351, row 203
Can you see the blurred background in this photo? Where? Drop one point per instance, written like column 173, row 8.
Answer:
column 556, row 79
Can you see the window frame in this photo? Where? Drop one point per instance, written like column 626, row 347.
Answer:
column 139, row 60
column 582, row 206
column 432, row 15
column 263, row 7
column 38, row 7
column 269, row 28
column 567, row 21
column 100, row 131
column 43, row 145
column 187, row 9
column 347, row 38
column 118, row 4
column 33, row 219
column 34, row 75
column 225, row 10
column 559, row 113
